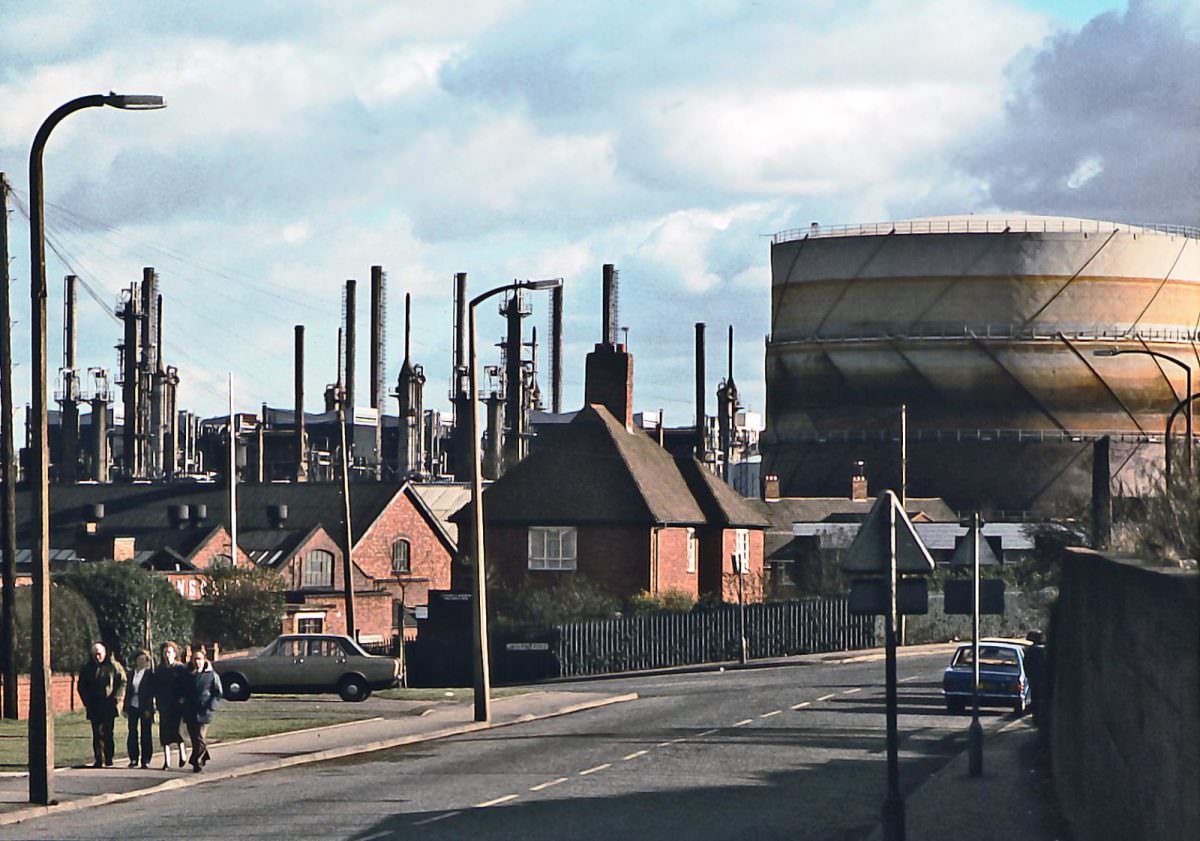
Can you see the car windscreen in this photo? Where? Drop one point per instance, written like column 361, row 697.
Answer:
column 990, row 657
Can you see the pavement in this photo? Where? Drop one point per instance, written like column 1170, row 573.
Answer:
column 82, row 788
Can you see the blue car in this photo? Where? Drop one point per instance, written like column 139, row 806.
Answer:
column 1003, row 681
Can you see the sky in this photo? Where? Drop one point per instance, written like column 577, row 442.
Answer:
column 304, row 142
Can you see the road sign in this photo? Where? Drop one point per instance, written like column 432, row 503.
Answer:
column 868, row 596
column 965, row 550
column 868, row 554
column 958, row 596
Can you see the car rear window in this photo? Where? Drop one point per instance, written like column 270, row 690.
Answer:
column 990, row 656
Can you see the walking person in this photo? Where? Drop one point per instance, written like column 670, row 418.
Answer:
column 201, row 697
column 101, row 687
column 139, row 710
column 169, row 677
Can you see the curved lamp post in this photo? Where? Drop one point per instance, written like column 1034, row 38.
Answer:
column 41, row 718
column 1187, row 369
column 482, row 684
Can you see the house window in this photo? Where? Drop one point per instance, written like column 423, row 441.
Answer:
column 317, row 570
column 552, row 547
column 691, row 550
column 401, row 557
column 310, row 625
column 741, row 552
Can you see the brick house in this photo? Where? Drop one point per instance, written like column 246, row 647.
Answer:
column 606, row 501
column 401, row 549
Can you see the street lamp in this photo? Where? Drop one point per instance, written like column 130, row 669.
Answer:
column 41, row 720
column 1187, row 369
column 482, row 684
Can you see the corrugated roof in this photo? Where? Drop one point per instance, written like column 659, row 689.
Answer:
column 936, row 536
column 444, row 500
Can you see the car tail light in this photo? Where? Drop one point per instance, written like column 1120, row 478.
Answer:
column 1020, row 684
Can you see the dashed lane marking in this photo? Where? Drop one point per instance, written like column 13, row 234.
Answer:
column 744, row 722
column 827, row 697
column 708, row 732
column 545, row 785
column 910, row 677
column 497, row 801
column 634, row 755
column 662, row 744
column 801, row 705
column 436, row 819
column 852, row 691
column 771, row 713
column 677, row 741
column 379, row 835
column 594, row 770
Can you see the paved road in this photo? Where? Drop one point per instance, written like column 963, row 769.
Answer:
column 787, row 752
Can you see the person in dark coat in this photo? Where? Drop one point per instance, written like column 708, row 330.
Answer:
column 139, row 711
column 201, row 696
column 101, row 687
column 169, row 677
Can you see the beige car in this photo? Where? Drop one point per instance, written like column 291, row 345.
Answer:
column 308, row 663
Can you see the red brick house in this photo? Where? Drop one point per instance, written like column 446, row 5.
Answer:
column 606, row 501
column 401, row 549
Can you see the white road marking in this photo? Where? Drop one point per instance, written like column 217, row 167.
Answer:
column 677, row 741
column 430, row 820
column 634, row 755
column 827, row 697
column 852, row 691
column 662, row 744
column 771, row 713
column 379, row 835
column 911, row 677
column 594, row 770
column 801, row 705
column 541, row 786
column 744, row 721
column 707, row 732
column 497, row 801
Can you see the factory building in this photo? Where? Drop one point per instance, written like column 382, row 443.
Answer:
column 988, row 330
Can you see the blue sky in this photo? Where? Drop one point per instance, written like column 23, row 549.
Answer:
column 305, row 142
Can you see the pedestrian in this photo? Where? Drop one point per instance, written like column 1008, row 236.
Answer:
column 139, row 711
column 101, row 687
column 201, row 697
column 1035, row 671
column 169, row 679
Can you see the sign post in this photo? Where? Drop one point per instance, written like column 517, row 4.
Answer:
column 888, row 546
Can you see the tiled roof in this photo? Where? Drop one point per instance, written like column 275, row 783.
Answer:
column 600, row 472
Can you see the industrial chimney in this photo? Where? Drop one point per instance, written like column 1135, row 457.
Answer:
column 609, row 367
column 701, row 443
column 378, row 359
column 301, row 443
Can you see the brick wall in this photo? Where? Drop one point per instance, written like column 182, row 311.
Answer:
column 429, row 559
column 672, row 562
column 62, row 690
column 615, row 557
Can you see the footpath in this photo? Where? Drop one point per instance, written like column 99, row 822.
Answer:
column 81, row 788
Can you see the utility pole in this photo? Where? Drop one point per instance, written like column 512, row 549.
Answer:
column 8, row 525
column 347, row 533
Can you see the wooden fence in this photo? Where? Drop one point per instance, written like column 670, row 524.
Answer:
column 662, row 640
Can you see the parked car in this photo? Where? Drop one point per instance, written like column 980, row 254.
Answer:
column 308, row 663
column 1002, row 677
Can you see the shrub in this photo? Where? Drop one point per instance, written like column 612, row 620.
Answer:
column 243, row 607
column 121, row 592
column 73, row 628
column 572, row 598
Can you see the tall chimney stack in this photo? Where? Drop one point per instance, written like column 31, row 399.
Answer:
column 556, row 349
column 68, row 470
column 701, row 444
column 350, row 335
column 378, row 363
column 464, row 401
column 609, row 327
column 301, row 444
column 609, row 367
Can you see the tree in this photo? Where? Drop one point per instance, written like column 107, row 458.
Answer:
column 73, row 628
column 121, row 593
column 243, row 607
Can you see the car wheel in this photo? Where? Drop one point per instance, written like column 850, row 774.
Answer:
column 353, row 688
column 235, row 687
column 1020, row 705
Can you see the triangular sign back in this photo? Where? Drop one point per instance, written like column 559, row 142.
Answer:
column 963, row 553
column 868, row 553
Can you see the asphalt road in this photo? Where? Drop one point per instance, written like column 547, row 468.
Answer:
column 790, row 752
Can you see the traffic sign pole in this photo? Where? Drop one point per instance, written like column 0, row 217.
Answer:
column 893, row 803
column 975, row 733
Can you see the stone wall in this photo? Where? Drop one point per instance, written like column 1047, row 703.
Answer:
column 1125, row 711
column 1023, row 612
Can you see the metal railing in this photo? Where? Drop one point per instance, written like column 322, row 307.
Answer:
column 663, row 640
column 957, row 331
column 981, row 225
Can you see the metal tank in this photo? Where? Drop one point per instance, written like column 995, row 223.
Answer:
column 986, row 328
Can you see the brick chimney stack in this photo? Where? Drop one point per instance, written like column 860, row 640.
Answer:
column 609, row 367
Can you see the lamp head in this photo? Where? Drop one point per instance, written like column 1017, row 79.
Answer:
column 551, row 283
column 135, row 101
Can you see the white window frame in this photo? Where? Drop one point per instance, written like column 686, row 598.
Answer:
column 407, row 544
column 741, row 552
column 552, row 548
column 308, row 579
column 691, row 549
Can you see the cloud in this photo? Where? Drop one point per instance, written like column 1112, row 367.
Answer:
column 1103, row 122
